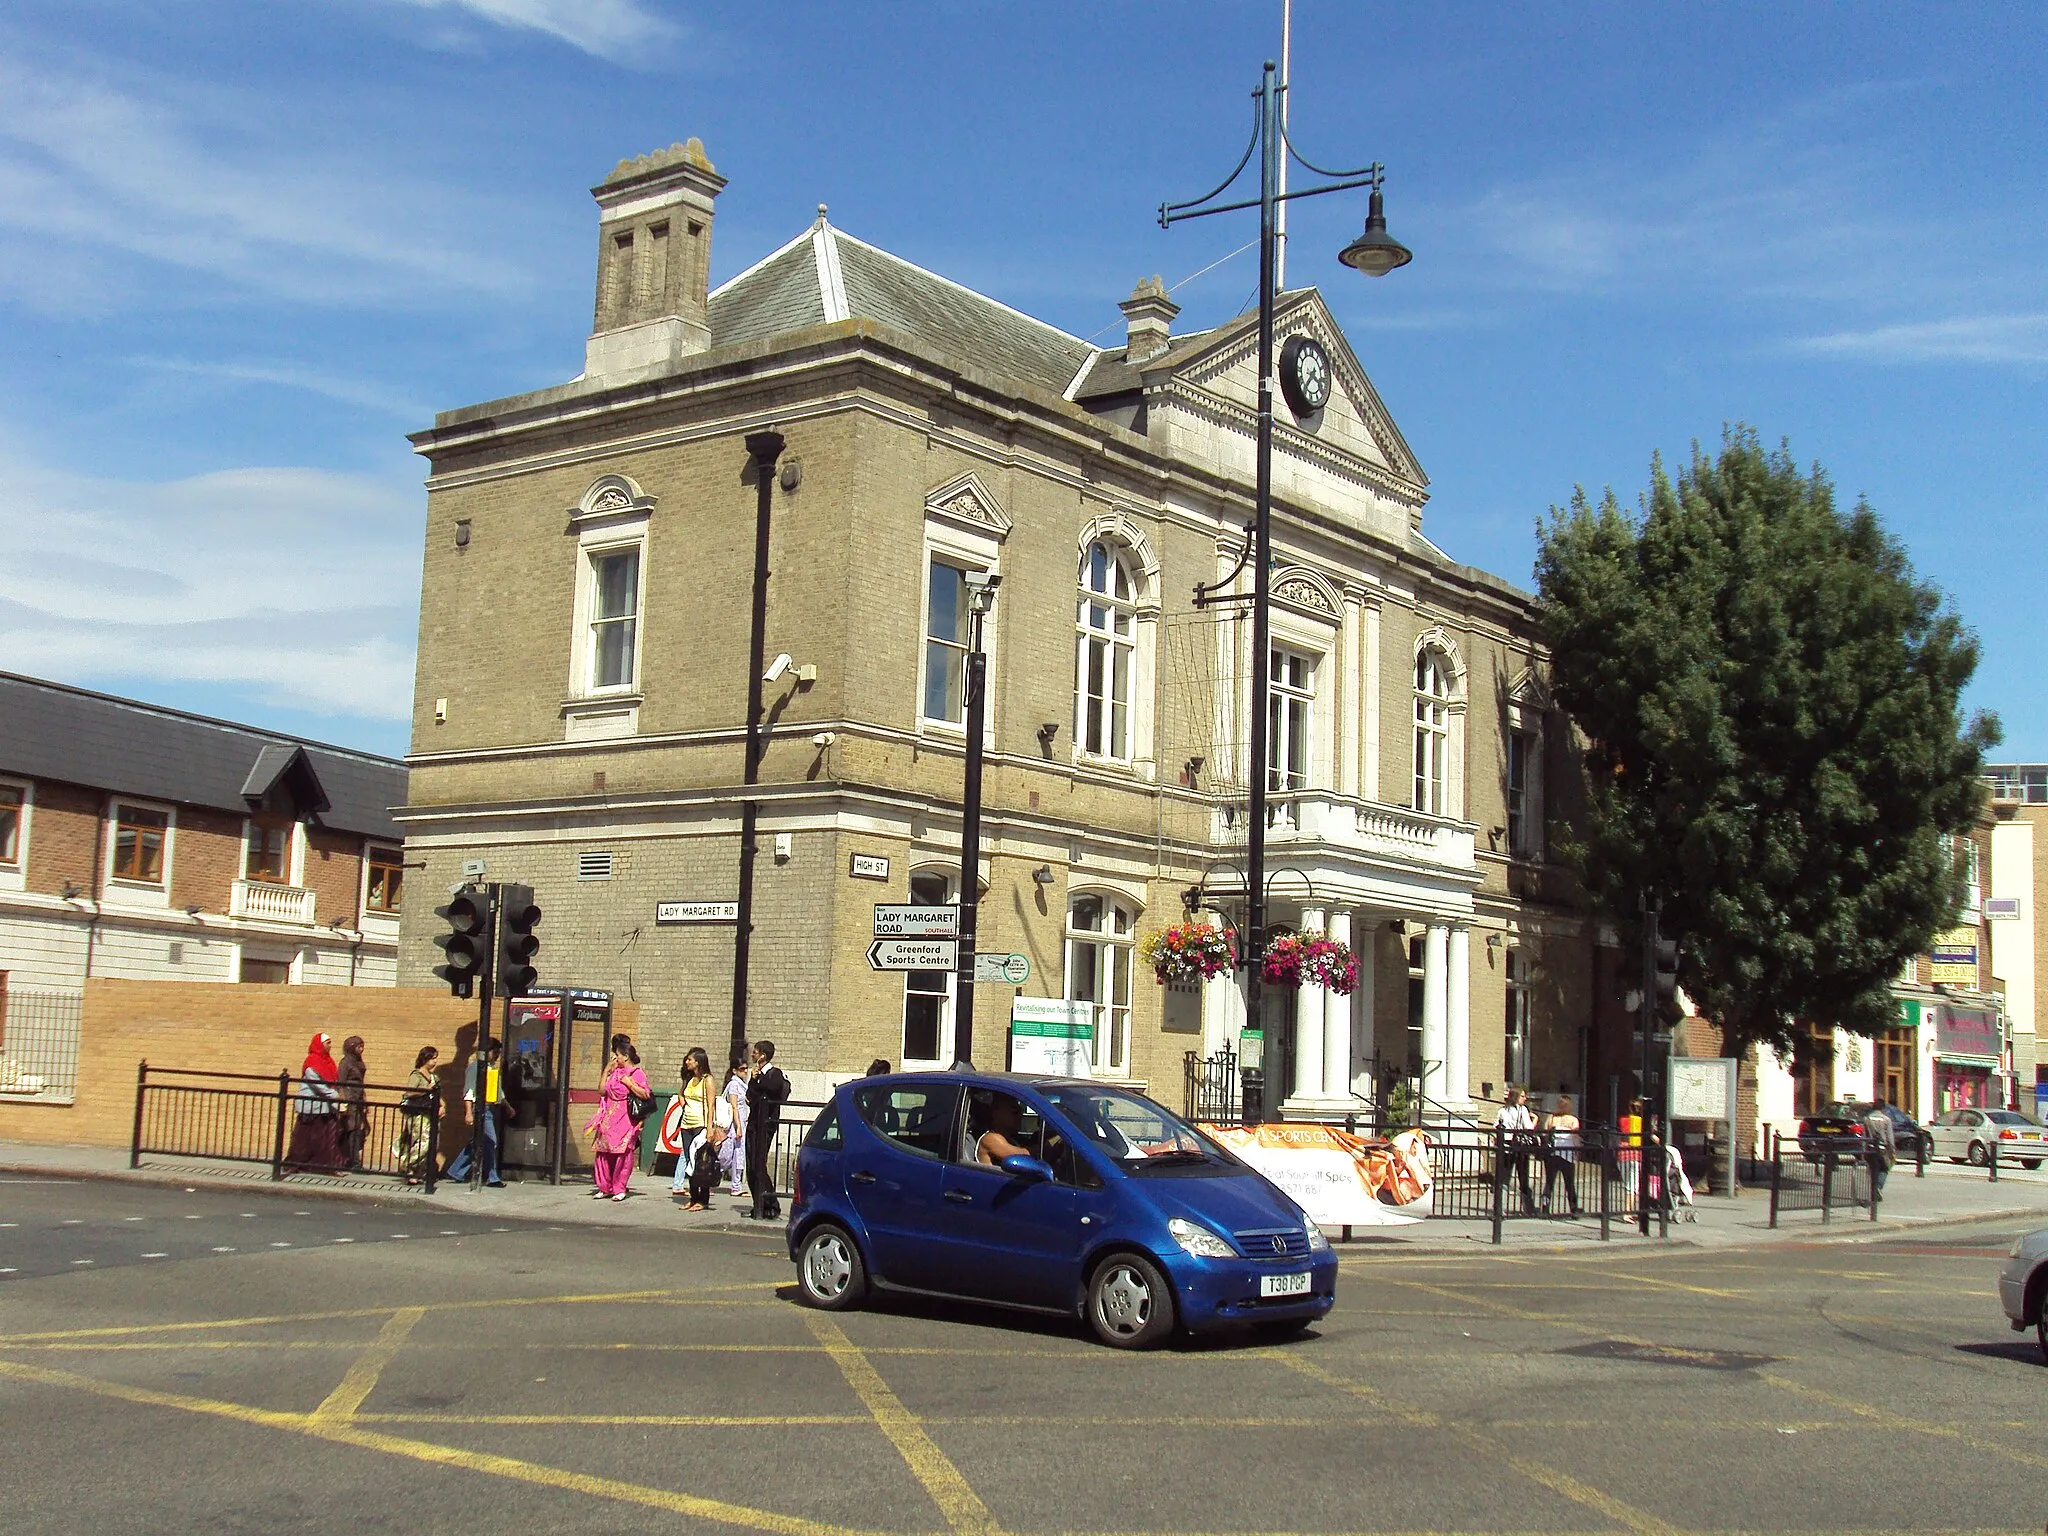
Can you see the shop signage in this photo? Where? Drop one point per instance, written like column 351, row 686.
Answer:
column 916, row 922
column 668, row 914
column 1954, row 957
column 913, row 954
column 2002, row 909
column 1052, row 1035
column 868, row 866
column 1966, row 1032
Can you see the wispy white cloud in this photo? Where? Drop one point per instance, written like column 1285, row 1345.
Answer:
column 348, row 391
column 2021, row 338
column 97, row 175
column 623, row 31
column 296, row 586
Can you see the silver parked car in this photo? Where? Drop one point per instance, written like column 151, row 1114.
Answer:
column 1966, row 1135
column 2023, row 1287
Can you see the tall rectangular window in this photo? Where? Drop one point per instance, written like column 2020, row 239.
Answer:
column 945, row 644
column 1516, row 1030
column 139, row 844
column 270, row 852
column 614, row 617
column 1521, row 840
column 386, row 880
column 1288, row 707
column 10, row 825
column 928, row 995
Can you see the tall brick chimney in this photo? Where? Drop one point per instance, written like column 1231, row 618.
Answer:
column 1149, row 313
column 653, row 263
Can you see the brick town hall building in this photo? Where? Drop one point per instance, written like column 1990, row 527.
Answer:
column 582, row 703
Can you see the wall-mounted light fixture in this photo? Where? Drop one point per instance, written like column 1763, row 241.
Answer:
column 791, row 475
column 462, row 533
column 1493, row 941
column 1192, row 769
column 1047, row 733
column 1043, row 874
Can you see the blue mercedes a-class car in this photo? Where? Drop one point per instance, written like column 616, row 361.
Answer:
column 1051, row 1195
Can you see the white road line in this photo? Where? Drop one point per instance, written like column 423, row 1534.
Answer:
column 156, row 1255
column 280, row 1245
column 344, row 1239
column 74, row 1221
column 131, row 1218
column 81, row 1261
column 223, row 1250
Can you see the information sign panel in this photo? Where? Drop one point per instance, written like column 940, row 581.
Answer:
column 915, row 922
column 1702, row 1088
column 1053, row 1036
column 913, row 954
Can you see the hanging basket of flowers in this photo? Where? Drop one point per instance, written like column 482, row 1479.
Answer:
column 1292, row 959
column 1189, row 952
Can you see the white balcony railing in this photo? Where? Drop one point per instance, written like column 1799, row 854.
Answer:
column 267, row 903
column 1391, row 831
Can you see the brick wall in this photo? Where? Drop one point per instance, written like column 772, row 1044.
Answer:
column 62, row 825
column 334, row 873
column 206, row 857
column 224, row 1027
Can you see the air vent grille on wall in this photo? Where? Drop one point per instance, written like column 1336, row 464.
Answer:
column 593, row 866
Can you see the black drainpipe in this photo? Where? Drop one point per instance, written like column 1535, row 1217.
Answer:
column 99, row 859
column 764, row 448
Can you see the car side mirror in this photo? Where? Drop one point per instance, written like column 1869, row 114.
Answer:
column 1022, row 1165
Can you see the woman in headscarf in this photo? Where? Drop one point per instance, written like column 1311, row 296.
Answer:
column 355, row 1118
column 614, row 1133
column 316, row 1137
column 414, row 1148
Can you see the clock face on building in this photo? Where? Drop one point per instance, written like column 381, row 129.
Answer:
column 1305, row 375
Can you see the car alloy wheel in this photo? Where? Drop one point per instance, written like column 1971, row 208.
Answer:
column 1130, row 1305
column 829, row 1271
column 1978, row 1156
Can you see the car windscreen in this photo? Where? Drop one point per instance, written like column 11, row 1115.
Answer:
column 1137, row 1134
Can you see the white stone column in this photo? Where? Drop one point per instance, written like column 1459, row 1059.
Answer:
column 1350, row 717
column 1364, row 1037
column 1458, row 1025
column 1370, row 787
column 1337, row 1024
column 1308, row 1025
column 1222, row 1005
column 1435, row 1014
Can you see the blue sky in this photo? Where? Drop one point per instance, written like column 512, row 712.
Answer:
column 245, row 247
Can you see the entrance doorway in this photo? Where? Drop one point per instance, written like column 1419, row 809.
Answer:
column 1894, row 1061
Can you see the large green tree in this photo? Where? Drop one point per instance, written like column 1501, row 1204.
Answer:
column 1771, row 705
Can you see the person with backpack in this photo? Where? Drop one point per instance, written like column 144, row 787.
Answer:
column 767, row 1089
column 614, row 1130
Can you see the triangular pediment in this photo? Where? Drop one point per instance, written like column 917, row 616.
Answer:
column 1355, row 423
column 967, row 501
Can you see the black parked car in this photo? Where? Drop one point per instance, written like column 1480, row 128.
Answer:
column 1841, row 1126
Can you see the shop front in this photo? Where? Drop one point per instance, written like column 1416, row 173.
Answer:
column 1967, row 1058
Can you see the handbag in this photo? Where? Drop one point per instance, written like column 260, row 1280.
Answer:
column 704, row 1166
column 638, row 1109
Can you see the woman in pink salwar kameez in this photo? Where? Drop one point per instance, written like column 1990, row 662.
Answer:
column 614, row 1135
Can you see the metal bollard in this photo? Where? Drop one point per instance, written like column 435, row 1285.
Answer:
column 1994, row 1161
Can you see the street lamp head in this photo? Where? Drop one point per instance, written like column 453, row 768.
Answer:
column 1376, row 253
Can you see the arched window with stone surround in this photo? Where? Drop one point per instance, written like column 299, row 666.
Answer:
column 1435, row 687
column 1106, row 653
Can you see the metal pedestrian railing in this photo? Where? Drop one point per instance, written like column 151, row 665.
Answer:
column 39, row 1034
column 1213, row 1089
column 243, row 1117
column 789, row 1138
column 1822, row 1174
column 1501, row 1176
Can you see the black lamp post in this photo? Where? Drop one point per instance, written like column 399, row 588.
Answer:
column 1374, row 253
column 981, row 596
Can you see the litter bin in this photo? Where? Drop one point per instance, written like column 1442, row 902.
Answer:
column 650, row 1139
column 1254, row 1099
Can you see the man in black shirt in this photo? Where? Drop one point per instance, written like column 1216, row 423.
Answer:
column 766, row 1090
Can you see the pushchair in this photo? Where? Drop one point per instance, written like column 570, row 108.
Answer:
column 1674, row 1188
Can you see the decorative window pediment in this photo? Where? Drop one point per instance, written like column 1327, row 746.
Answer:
column 969, row 503
column 611, row 496
column 1306, row 591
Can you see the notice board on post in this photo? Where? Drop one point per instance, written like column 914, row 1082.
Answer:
column 1702, row 1088
column 1053, row 1036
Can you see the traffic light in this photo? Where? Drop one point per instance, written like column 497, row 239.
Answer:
column 1664, row 970
column 517, row 942
column 466, row 946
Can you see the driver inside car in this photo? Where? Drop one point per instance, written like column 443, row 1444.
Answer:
column 1005, row 1121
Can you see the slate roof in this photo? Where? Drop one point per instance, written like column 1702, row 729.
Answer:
column 826, row 275
column 53, row 731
